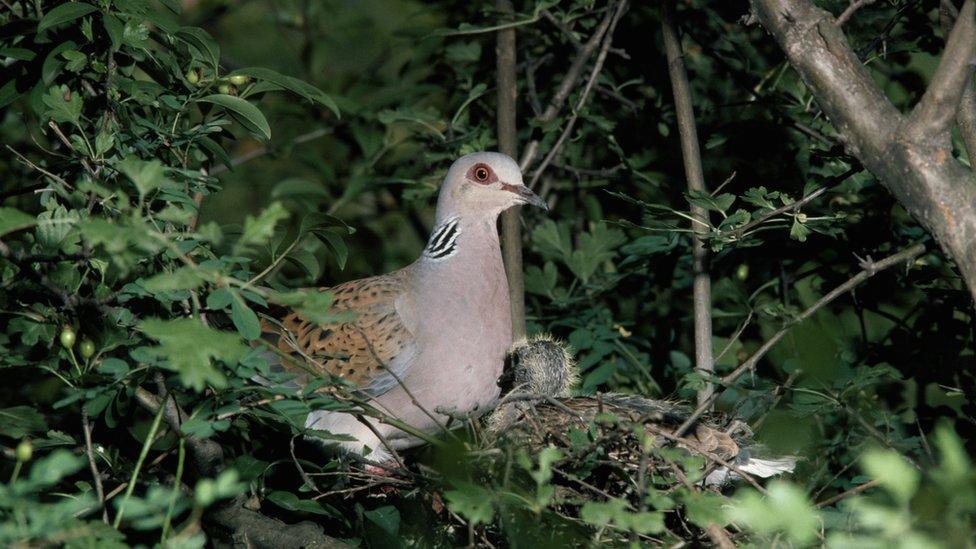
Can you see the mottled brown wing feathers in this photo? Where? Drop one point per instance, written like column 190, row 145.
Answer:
column 362, row 351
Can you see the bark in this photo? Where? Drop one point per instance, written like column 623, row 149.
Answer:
column 909, row 154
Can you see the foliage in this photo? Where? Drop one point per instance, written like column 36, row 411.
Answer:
column 119, row 116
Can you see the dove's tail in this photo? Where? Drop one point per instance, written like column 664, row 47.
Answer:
column 758, row 467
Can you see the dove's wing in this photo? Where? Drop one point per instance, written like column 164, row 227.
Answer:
column 369, row 350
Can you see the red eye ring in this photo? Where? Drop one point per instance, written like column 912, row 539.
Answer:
column 481, row 174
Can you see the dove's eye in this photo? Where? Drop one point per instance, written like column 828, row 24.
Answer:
column 481, row 174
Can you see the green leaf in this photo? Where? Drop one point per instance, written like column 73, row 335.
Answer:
column 291, row 502
column 20, row 421
column 704, row 508
column 114, row 29
column 718, row 203
column 954, row 464
column 386, row 517
column 247, row 114
column 63, row 105
column 188, row 348
column 337, row 245
column 799, row 231
column 312, row 305
column 199, row 40
column 552, row 239
column 785, row 509
column 595, row 248
column 471, row 502
column 63, row 14
column 76, row 60
column 894, row 473
column 547, row 456
column 299, row 188
column 292, row 84
column 226, row 485
column 12, row 219
column 259, row 230
column 183, row 278
column 614, row 512
column 146, row 175
column 244, row 318
column 50, row 469
column 219, row 299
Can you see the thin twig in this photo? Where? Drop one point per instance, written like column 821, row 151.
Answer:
column 34, row 166
column 849, row 11
column 868, row 269
column 719, row 536
column 90, row 452
column 584, row 95
column 695, row 447
column 855, row 490
column 301, row 470
column 566, row 86
column 793, row 206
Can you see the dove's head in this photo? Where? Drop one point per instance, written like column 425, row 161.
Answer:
column 484, row 184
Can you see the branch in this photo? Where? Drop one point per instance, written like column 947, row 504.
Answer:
column 868, row 269
column 690, row 153
column 932, row 116
column 90, row 452
column 584, row 95
column 849, row 11
column 792, row 206
column 569, row 81
column 511, row 228
column 966, row 117
column 719, row 536
column 855, row 490
column 920, row 173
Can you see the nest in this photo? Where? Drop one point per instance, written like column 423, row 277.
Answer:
column 625, row 431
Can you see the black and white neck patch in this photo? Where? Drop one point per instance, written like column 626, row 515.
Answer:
column 443, row 241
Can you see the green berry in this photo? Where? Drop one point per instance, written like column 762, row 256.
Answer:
column 239, row 79
column 801, row 217
column 227, row 89
column 742, row 272
column 24, row 451
column 68, row 337
column 192, row 76
column 87, row 348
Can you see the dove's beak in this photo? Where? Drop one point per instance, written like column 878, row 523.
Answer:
column 526, row 195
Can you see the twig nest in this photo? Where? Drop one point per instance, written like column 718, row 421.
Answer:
column 538, row 410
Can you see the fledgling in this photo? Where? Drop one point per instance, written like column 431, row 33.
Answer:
column 430, row 336
column 539, row 366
